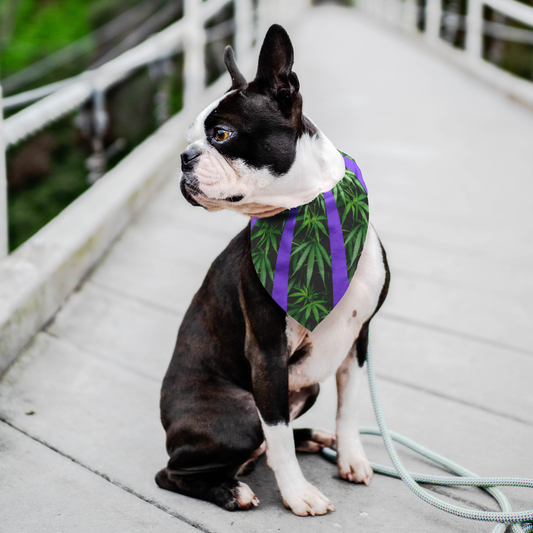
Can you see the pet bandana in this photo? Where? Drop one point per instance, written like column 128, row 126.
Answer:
column 306, row 256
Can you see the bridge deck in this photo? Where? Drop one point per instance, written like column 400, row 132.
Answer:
column 448, row 163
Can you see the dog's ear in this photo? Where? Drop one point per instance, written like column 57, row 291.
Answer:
column 238, row 81
column 274, row 71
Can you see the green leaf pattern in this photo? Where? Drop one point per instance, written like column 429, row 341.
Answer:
column 310, row 297
column 265, row 246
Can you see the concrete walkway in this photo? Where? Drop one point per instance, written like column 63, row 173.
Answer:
column 449, row 166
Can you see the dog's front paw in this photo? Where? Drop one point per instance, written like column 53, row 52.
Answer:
column 355, row 467
column 240, row 496
column 308, row 500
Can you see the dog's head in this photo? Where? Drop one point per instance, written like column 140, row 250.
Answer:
column 253, row 150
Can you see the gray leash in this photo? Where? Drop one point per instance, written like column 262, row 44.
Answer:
column 522, row 522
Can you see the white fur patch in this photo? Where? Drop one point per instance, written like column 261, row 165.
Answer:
column 332, row 339
column 197, row 130
column 317, row 168
column 297, row 493
column 245, row 496
column 351, row 459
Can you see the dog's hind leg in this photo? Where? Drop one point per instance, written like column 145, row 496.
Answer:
column 209, row 437
column 351, row 459
column 222, row 489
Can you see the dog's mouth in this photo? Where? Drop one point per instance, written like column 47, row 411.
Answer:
column 234, row 199
column 189, row 192
column 192, row 193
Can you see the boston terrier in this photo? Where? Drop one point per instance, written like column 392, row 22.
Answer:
column 243, row 368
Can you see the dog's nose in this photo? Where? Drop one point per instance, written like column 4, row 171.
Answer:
column 188, row 157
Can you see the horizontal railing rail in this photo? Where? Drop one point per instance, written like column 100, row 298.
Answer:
column 408, row 15
column 37, row 277
column 80, row 89
column 188, row 35
column 124, row 23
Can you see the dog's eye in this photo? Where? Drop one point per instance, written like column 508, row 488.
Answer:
column 221, row 135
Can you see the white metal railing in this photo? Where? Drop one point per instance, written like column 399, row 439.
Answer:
column 187, row 35
column 405, row 14
column 3, row 188
column 180, row 35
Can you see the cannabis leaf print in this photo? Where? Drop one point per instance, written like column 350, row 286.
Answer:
column 309, row 305
column 265, row 249
column 321, row 246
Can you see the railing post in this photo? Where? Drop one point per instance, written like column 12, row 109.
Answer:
column 474, row 30
column 160, row 70
column 3, row 187
column 433, row 19
column 244, row 27
column 409, row 16
column 194, row 68
column 96, row 163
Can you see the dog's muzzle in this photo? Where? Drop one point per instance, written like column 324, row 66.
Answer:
column 189, row 184
column 189, row 158
column 188, row 190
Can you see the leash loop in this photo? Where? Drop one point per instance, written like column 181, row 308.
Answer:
column 521, row 522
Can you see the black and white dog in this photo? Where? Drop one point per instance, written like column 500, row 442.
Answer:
column 242, row 368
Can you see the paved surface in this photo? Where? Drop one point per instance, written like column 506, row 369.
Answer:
column 449, row 166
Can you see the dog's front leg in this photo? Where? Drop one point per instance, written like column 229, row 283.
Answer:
column 271, row 396
column 266, row 350
column 351, row 459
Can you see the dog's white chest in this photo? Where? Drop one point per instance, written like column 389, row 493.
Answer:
column 317, row 354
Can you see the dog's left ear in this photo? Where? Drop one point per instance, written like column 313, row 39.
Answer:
column 238, row 81
column 274, row 71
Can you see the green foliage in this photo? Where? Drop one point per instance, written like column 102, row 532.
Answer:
column 29, row 209
column 518, row 59
column 214, row 50
column 31, row 30
column 102, row 11
column 34, row 29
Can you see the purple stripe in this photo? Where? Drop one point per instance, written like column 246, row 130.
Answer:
column 281, row 274
column 252, row 223
column 339, row 270
column 350, row 164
